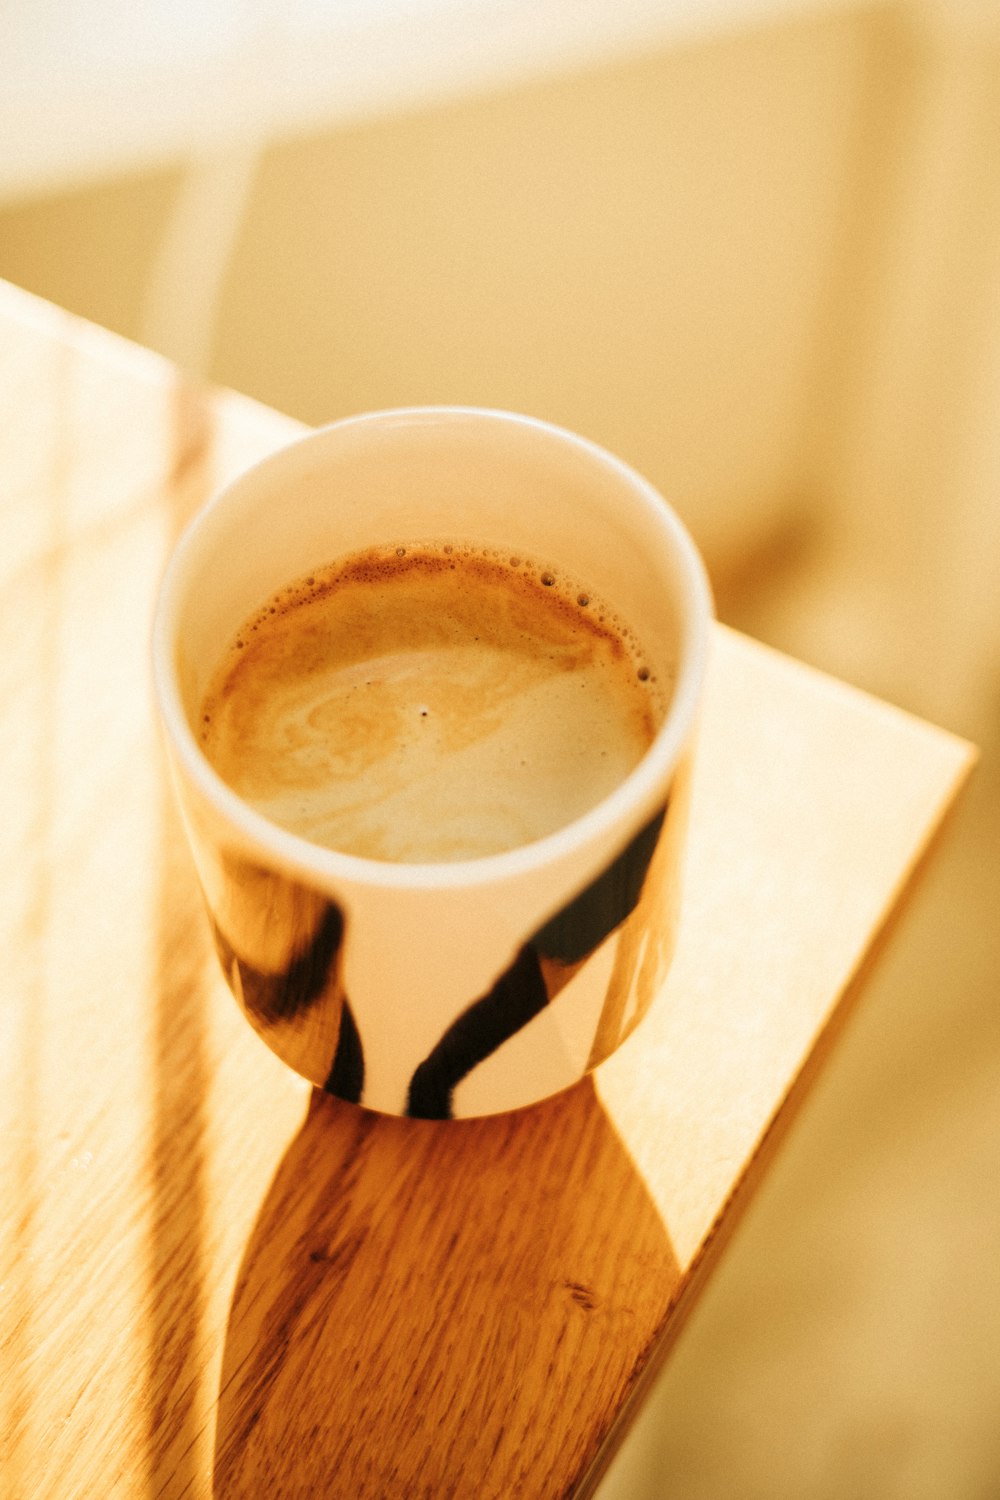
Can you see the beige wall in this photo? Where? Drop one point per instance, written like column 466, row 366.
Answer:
column 643, row 252
column 91, row 250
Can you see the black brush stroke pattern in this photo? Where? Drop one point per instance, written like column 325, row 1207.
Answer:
column 521, row 992
column 279, row 996
column 518, row 995
column 583, row 924
column 347, row 1075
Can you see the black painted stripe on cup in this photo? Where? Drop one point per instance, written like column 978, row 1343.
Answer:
column 347, row 1075
column 583, row 924
column 279, row 996
column 520, row 992
column 284, row 993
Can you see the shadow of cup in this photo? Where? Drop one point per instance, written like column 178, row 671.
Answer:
column 432, row 1308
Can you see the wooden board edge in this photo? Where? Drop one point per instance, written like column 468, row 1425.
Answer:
column 698, row 1273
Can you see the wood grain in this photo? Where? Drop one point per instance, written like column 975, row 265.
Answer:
column 215, row 1285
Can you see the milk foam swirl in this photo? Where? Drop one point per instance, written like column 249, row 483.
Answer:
column 430, row 703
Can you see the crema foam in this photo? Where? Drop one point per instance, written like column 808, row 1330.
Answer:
column 429, row 703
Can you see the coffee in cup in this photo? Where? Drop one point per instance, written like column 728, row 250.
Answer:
column 426, row 703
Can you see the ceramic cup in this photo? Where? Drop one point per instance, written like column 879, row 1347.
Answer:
column 440, row 990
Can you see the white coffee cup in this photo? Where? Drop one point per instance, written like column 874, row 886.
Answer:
column 462, row 988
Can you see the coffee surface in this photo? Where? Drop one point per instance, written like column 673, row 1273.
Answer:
column 428, row 704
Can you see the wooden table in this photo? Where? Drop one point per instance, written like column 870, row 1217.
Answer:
column 214, row 1284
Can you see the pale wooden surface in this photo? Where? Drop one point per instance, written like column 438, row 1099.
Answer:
column 212, row 1285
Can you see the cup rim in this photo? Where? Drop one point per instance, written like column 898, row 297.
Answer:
column 634, row 798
